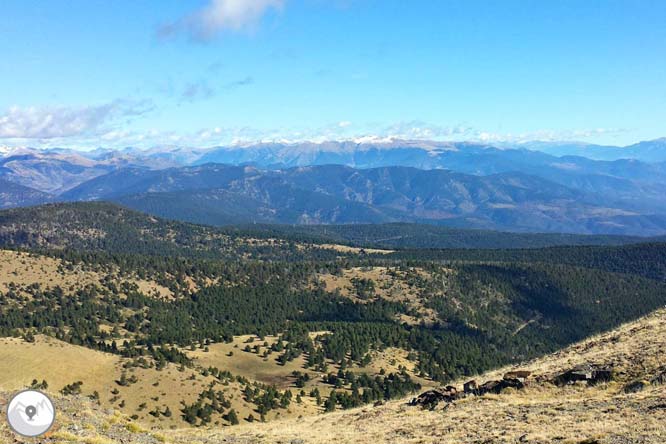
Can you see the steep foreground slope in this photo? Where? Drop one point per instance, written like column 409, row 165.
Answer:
column 609, row 412
column 539, row 413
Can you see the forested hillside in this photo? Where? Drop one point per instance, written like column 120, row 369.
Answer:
column 423, row 236
column 15, row 195
column 339, row 326
column 644, row 259
column 101, row 226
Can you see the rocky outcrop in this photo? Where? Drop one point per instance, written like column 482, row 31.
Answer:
column 521, row 375
column 635, row 387
column 590, row 373
column 470, row 387
column 432, row 398
column 497, row 387
column 660, row 377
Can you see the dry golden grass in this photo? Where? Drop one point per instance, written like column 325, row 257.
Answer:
column 25, row 269
column 59, row 364
column 390, row 360
column 267, row 370
column 542, row 413
column 248, row 364
column 56, row 362
column 354, row 250
column 391, row 284
column 570, row 415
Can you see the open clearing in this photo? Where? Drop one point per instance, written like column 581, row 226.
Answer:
column 24, row 269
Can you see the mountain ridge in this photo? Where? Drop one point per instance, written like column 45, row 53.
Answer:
column 24, row 227
column 16, row 195
column 340, row 194
column 283, row 183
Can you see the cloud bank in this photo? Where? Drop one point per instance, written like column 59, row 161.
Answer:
column 63, row 122
column 111, row 125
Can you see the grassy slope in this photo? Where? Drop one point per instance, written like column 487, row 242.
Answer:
column 23, row 269
column 542, row 413
column 60, row 364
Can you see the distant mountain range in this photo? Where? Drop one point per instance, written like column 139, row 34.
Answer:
column 221, row 194
column 453, row 184
column 419, row 154
column 647, row 151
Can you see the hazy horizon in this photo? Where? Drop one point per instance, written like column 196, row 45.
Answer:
column 377, row 141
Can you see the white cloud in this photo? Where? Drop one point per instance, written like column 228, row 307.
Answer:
column 62, row 121
column 105, row 125
column 549, row 135
column 221, row 15
column 424, row 130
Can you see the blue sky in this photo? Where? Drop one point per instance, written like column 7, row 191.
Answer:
column 89, row 73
